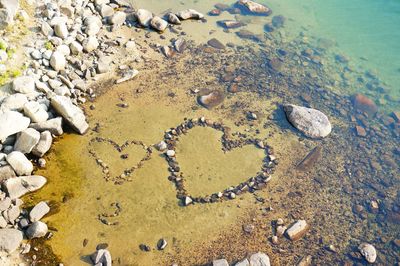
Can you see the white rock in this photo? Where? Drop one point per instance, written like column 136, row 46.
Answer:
column 47, row 30
column 11, row 123
column 90, row 44
column 10, row 240
column 64, row 49
column 220, row 262
column 368, row 251
column 14, row 102
column 106, row 10
column 259, row 259
column 158, row 24
column 35, row 112
column 26, row 140
column 53, row 125
column 6, row 172
column 190, row 14
column 101, row 257
column 170, row 153
column 70, row 112
column 92, row 29
column 76, row 48
column 57, row 61
column 61, row 30
column 20, row 164
column 244, row 262
column 173, row 19
column 43, row 145
column 36, row 230
column 297, row 230
column 118, row 18
column 19, row 186
column 39, row 211
column 144, row 17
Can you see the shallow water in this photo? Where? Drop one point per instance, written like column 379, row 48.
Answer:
column 351, row 171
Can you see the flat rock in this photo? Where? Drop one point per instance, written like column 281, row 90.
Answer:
column 297, row 230
column 71, row 113
column 310, row 122
column 189, row 14
column 216, row 44
column 368, row 251
column 44, row 144
column 53, row 125
column 158, row 24
column 259, row 259
column 19, row 186
column 20, row 164
column 144, row 17
column 10, row 239
column 36, row 230
column 39, row 211
column 27, row 140
column 24, row 84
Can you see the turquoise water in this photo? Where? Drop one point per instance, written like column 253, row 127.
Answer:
column 367, row 31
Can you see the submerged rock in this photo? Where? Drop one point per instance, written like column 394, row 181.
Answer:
column 297, row 230
column 10, row 239
column 365, row 105
column 255, row 8
column 211, row 99
column 368, row 251
column 216, row 44
column 278, row 21
column 12, row 122
column 19, row 186
column 230, row 24
column 310, row 122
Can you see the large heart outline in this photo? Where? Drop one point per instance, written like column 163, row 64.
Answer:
column 252, row 184
column 125, row 176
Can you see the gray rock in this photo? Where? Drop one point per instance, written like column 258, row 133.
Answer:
column 36, row 230
column 24, row 84
column 10, row 239
column 297, row 230
column 14, row 102
column 310, row 122
column 71, row 113
column 259, row 259
column 75, row 47
column 118, row 18
column 90, row 44
column 39, row 211
column 368, row 251
column 158, row 24
column 144, row 17
column 53, row 125
column 189, row 14
column 220, row 262
column 6, row 172
column 161, row 146
column 57, row 61
column 19, row 186
column 244, row 262
column 20, row 164
column 173, row 19
column 26, row 140
column 61, row 30
column 5, row 18
column 46, row 29
column 35, row 112
column 101, row 257
column 43, row 145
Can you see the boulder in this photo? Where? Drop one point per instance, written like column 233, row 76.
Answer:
column 14, row 102
column 35, row 112
column 11, row 123
column 310, row 122
column 259, row 259
column 255, row 8
column 144, row 17
column 173, row 19
column 101, row 257
column 71, row 113
column 53, row 125
column 57, row 61
column 6, row 172
column 189, row 14
column 10, row 239
column 158, row 24
column 27, row 140
column 61, row 30
column 39, row 211
column 43, row 145
column 90, row 44
column 297, row 230
column 368, row 251
column 20, row 164
column 220, row 262
column 24, row 84
column 75, row 47
column 36, row 230
column 118, row 18
column 19, row 186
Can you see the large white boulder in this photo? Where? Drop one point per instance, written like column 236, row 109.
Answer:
column 24, row 84
column 53, row 125
column 10, row 239
column 39, row 211
column 14, row 102
column 11, row 123
column 35, row 112
column 36, row 230
column 19, row 186
column 19, row 162
column 57, row 61
column 43, row 145
column 27, row 140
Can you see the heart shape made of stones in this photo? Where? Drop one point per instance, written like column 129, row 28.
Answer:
column 252, row 184
column 127, row 173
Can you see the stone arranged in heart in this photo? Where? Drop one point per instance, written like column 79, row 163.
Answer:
column 168, row 145
column 127, row 173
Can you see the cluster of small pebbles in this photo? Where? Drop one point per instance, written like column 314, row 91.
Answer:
column 103, row 217
column 252, row 184
column 126, row 175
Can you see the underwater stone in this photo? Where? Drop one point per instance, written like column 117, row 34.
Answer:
column 365, row 105
column 368, row 251
column 216, row 44
column 297, row 230
column 255, row 8
column 211, row 99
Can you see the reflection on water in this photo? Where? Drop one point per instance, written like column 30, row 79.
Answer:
column 348, row 191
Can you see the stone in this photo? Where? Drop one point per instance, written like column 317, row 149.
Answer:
column 24, row 84
column 36, row 230
column 173, row 19
column 189, row 14
column 216, row 44
column 162, row 244
column 311, row 122
column 161, row 146
column 220, row 262
column 104, row 65
column 106, row 11
column 53, row 125
column 368, row 251
column 278, row 21
column 10, row 240
column 297, row 230
column 255, row 8
column 230, row 24
column 71, row 113
column 20, row 164
column 305, row 261
column 13, row 213
column 90, row 44
column 35, row 112
column 57, row 61
column 211, row 99
column 63, row 49
column 61, row 30
column 128, row 75
column 39, row 211
column 188, row 201
column 14, row 102
column 27, row 140
column 360, row 131
column 6, row 172
column 364, row 105
column 167, row 51
column 43, row 145
column 5, row 204
column 244, row 262
column 170, row 153
column 102, row 257
column 92, row 29
column 19, row 186
column 5, row 18
column 259, row 259
column 11, row 6
column 180, row 45
column 46, row 29
column 144, row 17
column 3, row 222
column 158, row 24
column 118, row 18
